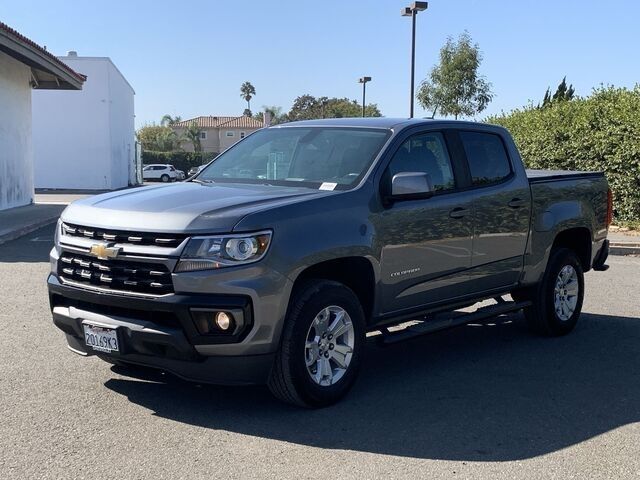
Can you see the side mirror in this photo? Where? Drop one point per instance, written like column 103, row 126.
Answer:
column 411, row 186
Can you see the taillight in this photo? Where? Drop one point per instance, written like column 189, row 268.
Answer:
column 609, row 207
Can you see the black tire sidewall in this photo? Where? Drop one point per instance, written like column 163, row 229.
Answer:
column 324, row 295
column 552, row 324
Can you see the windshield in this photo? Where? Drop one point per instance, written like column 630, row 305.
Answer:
column 317, row 157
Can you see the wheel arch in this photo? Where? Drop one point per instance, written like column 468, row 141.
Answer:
column 355, row 272
column 577, row 239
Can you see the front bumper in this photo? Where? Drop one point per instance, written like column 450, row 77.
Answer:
column 160, row 333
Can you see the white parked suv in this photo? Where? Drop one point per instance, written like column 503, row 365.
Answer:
column 162, row 172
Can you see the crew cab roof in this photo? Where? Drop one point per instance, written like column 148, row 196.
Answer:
column 376, row 122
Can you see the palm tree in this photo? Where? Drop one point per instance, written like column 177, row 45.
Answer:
column 247, row 91
column 168, row 120
column 192, row 133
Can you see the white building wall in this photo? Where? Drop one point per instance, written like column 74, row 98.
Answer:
column 16, row 154
column 122, row 129
column 85, row 139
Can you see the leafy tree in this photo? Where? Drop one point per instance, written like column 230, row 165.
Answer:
column 276, row 114
column 307, row 107
column 454, row 86
column 168, row 120
column 158, row 138
column 247, row 91
column 192, row 134
column 563, row 94
column 247, row 113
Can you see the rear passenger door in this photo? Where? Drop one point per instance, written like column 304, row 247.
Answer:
column 502, row 203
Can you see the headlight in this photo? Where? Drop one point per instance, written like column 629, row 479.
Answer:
column 210, row 253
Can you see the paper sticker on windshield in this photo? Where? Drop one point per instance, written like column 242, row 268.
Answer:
column 328, row 186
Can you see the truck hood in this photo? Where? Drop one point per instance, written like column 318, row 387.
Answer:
column 181, row 208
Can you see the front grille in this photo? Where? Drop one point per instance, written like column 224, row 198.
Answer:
column 121, row 275
column 121, row 236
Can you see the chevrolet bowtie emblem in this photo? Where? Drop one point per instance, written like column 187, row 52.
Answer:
column 103, row 251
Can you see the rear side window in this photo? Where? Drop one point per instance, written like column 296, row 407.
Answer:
column 487, row 157
column 425, row 152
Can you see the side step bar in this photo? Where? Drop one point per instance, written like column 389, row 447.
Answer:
column 451, row 319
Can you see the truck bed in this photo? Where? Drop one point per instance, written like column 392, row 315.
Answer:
column 539, row 176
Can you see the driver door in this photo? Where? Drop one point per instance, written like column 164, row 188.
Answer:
column 426, row 243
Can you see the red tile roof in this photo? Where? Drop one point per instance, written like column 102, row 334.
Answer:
column 221, row 122
column 21, row 38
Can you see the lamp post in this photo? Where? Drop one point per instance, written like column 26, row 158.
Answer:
column 363, row 81
column 412, row 11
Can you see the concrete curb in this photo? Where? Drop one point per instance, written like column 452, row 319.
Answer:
column 25, row 230
column 624, row 248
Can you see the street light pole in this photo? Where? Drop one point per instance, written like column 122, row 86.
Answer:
column 412, row 11
column 363, row 81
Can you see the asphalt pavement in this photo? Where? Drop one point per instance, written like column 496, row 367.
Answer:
column 484, row 402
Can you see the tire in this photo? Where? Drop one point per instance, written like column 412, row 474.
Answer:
column 165, row 178
column 314, row 308
column 552, row 315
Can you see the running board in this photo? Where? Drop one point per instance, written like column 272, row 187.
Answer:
column 450, row 320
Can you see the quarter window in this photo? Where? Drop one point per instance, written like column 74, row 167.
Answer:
column 426, row 153
column 487, row 157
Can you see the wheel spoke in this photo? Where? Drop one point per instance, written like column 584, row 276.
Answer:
column 318, row 375
column 340, row 359
column 340, row 329
column 342, row 349
column 311, row 352
column 338, row 320
column 327, row 372
column 572, row 287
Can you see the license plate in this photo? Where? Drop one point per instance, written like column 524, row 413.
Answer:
column 101, row 339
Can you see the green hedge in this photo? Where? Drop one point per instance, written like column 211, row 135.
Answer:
column 181, row 160
column 600, row 132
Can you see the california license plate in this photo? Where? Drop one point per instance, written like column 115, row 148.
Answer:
column 101, row 339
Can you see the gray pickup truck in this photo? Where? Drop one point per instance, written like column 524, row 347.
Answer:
column 272, row 263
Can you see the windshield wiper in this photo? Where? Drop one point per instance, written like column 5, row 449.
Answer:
column 197, row 180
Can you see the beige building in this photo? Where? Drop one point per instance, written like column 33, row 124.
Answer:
column 218, row 133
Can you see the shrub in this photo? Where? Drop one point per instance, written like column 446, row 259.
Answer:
column 597, row 133
column 181, row 160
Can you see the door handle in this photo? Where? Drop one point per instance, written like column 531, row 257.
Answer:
column 517, row 203
column 459, row 212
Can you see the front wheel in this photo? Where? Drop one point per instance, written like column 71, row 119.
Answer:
column 321, row 348
column 557, row 300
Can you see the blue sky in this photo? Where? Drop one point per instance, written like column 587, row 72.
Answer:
column 189, row 58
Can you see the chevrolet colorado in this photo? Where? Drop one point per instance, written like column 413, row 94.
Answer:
column 273, row 262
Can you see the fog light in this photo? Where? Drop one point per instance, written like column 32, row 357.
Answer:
column 223, row 320
column 211, row 321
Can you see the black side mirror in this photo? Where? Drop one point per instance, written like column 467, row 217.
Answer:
column 411, row 186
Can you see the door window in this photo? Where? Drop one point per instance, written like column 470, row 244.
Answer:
column 425, row 152
column 487, row 157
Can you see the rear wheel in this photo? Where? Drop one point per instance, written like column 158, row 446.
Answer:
column 557, row 300
column 165, row 178
column 321, row 347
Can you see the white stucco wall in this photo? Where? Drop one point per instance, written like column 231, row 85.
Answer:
column 16, row 155
column 85, row 139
